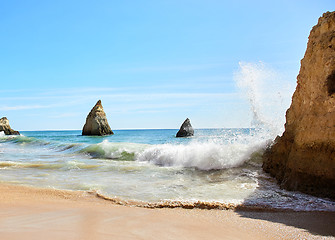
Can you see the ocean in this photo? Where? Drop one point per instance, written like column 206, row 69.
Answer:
column 215, row 167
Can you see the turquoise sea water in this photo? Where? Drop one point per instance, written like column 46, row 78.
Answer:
column 216, row 165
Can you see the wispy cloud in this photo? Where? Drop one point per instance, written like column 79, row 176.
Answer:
column 64, row 115
column 150, row 96
column 22, row 107
column 35, row 106
column 174, row 68
column 116, row 95
column 146, row 108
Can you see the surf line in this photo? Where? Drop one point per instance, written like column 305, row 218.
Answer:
column 186, row 204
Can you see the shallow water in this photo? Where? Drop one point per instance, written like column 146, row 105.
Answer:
column 216, row 165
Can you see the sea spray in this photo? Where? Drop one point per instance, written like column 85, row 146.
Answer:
column 268, row 94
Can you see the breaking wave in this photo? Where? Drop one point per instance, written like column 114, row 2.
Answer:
column 202, row 156
column 208, row 155
column 199, row 155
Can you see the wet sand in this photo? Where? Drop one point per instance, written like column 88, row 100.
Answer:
column 32, row 213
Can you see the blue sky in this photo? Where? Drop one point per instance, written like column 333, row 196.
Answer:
column 152, row 63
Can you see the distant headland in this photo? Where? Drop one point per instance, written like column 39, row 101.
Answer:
column 5, row 127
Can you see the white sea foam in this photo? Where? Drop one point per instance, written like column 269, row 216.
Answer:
column 204, row 156
column 208, row 155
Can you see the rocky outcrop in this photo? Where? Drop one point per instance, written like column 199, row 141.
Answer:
column 96, row 122
column 186, row 129
column 5, row 127
column 303, row 158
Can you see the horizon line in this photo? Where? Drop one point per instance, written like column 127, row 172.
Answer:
column 209, row 128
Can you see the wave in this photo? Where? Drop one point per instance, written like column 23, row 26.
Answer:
column 114, row 150
column 203, row 156
column 199, row 155
column 21, row 139
column 212, row 154
column 32, row 141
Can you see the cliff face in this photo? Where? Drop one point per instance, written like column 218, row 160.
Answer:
column 304, row 157
column 96, row 122
column 5, row 127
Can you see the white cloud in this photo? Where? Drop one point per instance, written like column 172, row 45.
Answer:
column 22, row 107
column 119, row 95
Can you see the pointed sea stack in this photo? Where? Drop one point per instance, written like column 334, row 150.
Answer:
column 303, row 158
column 186, row 129
column 5, row 127
column 96, row 122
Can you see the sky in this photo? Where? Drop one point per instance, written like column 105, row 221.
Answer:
column 152, row 63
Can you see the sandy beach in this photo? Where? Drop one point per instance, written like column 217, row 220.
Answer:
column 33, row 213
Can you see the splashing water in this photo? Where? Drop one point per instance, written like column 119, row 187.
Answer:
column 268, row 95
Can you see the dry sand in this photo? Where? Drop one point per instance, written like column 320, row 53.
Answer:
column 31, row 213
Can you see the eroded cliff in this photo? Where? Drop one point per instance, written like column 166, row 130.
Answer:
column 303, row 158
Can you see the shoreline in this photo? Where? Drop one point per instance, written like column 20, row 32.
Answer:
column 197, row 204
column 31, row 213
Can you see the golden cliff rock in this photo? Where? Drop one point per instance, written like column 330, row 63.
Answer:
column 303, row 158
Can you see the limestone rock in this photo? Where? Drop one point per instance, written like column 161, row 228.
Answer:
column 5, row 127
column 96, row 122
column 186, row 129
column 303, row 158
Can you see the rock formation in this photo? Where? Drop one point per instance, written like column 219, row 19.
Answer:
column 96, row 122
column 186, row 129
column 303, row 158
column 4, row 127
